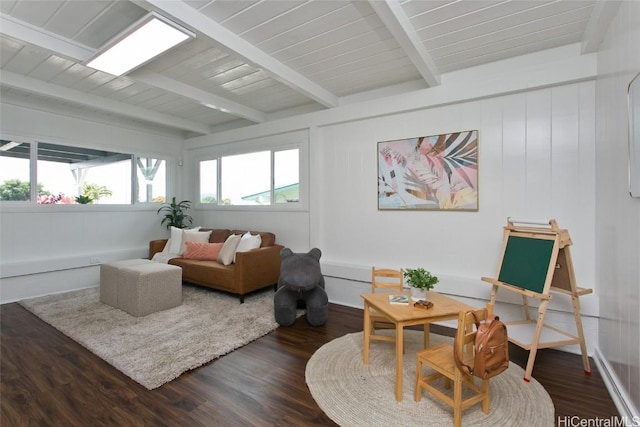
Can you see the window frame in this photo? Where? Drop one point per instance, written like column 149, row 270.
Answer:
column 32, row 204
column 239, row 149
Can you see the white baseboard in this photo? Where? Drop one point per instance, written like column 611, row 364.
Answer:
column 37, row 277
column 67, row 262
column 626, row 407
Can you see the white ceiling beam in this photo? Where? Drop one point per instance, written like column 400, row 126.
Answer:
column 77, row 52
column 28, row 84
column 205, row 98
column 397, row 22
column 40, row 37
column 206, row 27
column 601, row 16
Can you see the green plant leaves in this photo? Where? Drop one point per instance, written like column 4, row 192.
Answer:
column 420, row 278
column 175, row 214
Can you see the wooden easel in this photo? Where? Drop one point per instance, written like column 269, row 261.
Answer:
column 535, row 261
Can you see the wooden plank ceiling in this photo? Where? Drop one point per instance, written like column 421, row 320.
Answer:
column 256, row 60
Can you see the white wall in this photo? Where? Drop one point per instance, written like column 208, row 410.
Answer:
column 291, row 223
column 536, row 121
column 617, row 214
column 49, row 249
column 536, row 116
column 537, row 160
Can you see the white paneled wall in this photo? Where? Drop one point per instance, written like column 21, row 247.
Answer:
column 536, row 161
column 290, row 225
column 49, row 252
column 617, row 214
column 536, row 152
column 50, row 249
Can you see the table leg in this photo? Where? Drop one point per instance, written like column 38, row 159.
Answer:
column 427, row 333
column 366, row 334
column 399, row 354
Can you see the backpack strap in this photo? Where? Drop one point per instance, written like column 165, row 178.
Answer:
column 464, row 368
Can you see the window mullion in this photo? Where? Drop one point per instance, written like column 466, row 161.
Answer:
column 272, row 198
column 33, row 172
column 219, row 181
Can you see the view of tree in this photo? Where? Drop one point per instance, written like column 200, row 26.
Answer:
column 209, row 199
column 14, row 189
column 17, row 190
column 95, row 191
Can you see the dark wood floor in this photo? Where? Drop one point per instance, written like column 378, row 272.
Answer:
column 48, row 379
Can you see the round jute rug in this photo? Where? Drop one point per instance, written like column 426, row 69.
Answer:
column 352, row 394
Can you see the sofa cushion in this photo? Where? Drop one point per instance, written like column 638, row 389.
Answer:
column 193, row 236
column 229, row 249
column 248, row 242
column 202, row 251
column 175, row 241
column 268, row 239
column 218, row 235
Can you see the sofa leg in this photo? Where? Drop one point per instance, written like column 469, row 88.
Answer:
column 241, row 299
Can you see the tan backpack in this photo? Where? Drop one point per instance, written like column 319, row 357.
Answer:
column 490, row 348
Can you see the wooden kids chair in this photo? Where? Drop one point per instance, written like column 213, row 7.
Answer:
column 384, row 279
column 441, row 359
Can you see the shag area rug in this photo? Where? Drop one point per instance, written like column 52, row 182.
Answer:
column 158, row 348
column 352, row 394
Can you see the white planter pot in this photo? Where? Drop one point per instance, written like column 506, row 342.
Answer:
column 418, row 294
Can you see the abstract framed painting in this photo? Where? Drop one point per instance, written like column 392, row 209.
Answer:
column 438, row 172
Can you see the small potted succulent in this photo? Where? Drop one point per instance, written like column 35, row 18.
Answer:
column 420, row 281
column 84, row 200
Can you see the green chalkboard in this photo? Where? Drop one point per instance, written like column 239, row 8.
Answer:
column 526, row 262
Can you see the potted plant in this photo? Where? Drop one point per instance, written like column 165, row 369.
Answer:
column 420, row 281
column 175, row 214
column 84, row 200
column 91, row 193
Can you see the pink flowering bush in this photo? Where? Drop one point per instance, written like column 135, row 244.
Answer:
column 53, row 199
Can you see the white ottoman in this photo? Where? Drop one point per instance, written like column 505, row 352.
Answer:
column 110, row 276
column 146, row 288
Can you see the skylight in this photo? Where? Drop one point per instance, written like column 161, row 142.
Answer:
column 141, row 42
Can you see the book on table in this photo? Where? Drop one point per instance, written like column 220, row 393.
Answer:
column 398, row 299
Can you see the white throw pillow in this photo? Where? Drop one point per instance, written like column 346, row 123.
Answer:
column 176, row 239
column 193, row 236
column 225, row 257
column 247, row 243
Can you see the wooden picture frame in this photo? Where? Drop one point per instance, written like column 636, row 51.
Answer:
column 438, row 172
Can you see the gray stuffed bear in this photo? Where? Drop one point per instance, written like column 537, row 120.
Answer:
column 301, row 281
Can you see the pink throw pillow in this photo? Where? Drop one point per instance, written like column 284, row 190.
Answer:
column 202, row 251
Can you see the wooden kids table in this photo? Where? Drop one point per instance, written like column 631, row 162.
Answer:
column 403, row 315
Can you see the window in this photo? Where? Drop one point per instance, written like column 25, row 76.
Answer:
column 77, row 175
column 286, row 176
column 209, row 181
column 15, row 171
column 152, row 178
column 84, row 176
column 259, row 178
column 246, row 179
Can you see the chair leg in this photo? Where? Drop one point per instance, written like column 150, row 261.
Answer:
column 487, row 398
column 457, row 402
column 447, row 383
column 417, row 394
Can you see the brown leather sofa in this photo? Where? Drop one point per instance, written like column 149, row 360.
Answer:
column 252, row 270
